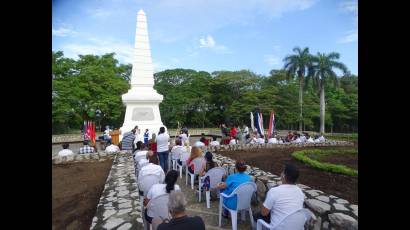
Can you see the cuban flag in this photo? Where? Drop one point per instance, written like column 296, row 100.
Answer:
column 259, row 123
column 271, row 130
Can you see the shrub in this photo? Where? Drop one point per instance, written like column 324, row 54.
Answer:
column 342, row 169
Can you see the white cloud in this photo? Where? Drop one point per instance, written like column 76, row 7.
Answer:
column 272, row 60
column 351, row 36
column 62, row 32
column 124, row 51
column 208, row 42
column 212, row 15
column 159, row 66
column 350, row 7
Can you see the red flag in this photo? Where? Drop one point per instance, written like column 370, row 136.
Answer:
column 88, row 130
column 94, row 133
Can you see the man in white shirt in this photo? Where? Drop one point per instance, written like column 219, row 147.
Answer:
column 112, row 148
column 177, row 150
column 151, row 168
column 162, row 148
column 214, row 142
column 245, row 132
column 272, row 140
column 199, row 144
column 282, row 200
column 260, row 140
column 233, row 141
column 65, row 151
column 297, row 140
column 138, row 136
column 310, row 140
column 321, row 138
column 183, row 137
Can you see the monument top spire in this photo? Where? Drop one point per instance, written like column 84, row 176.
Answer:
column 142, row 100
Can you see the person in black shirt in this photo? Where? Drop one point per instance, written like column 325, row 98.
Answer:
column 180, row 220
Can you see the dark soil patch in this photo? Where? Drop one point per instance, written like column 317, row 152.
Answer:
column 273, row 160
column 77, row 188
column 349, row 160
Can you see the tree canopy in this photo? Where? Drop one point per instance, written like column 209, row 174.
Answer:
column 196, row 98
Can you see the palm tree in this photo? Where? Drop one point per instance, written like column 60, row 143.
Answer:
column 298, row 65
column 321, row 74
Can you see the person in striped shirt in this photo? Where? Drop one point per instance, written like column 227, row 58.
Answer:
column 127, row 142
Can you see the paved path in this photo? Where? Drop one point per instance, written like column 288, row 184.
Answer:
column 119, row 206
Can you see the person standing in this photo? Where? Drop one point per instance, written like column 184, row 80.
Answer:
column 137, row 136
column 152, row 144
column 162, row 148
column 233, row 132
column 146, row 136
column 128, row 140
column 245, row 132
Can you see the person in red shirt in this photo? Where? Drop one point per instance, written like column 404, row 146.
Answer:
column 152, row 144
column 234, row 132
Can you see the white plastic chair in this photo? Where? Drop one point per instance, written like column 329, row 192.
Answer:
column 138, row 156
column 183, row 159
column 197, row 162
column 294, row 221
column 244, row 194
column 215, row 176
column 141, row 163
column 145, row 183
column 158, row 206
column 176, row 155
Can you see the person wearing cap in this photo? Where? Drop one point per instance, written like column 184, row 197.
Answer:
column 232, row 182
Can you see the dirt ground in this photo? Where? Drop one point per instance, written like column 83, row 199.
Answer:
column 342, row 159
column 77, row 188
column 273, row 160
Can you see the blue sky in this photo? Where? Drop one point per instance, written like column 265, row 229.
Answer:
column 209, row 35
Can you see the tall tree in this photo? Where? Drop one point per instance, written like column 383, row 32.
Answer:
column 323, row 74
column 298, row 65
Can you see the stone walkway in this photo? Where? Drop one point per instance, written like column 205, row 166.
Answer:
column 119, row 206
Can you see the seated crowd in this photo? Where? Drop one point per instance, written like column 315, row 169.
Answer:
column 281, row 200
column 151, row 161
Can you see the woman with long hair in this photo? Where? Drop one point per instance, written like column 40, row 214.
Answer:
column 210, row 163
column 152, row 143
column 195, row 153
column 160, row 189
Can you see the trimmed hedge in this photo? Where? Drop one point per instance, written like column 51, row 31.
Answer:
column 342, row 169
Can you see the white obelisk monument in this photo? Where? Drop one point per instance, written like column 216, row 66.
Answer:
column 142, row 100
